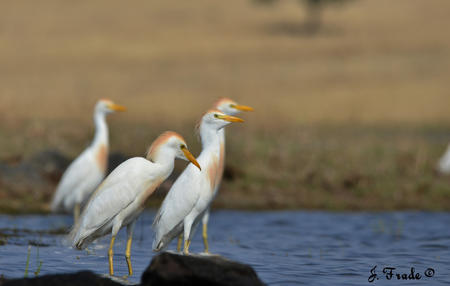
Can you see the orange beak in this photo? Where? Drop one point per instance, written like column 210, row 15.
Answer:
column 243, row 108
column 230, row 118
column 190, row 157
column 117, row 107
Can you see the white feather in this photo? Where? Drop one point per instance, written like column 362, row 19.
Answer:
column 118, row 200
column 444, row 162
column 80, row 179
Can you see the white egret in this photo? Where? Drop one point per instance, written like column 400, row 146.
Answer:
column 120, row 198
column 87, row 171
column 444, row 163
column 192, row 192
column 228, row 107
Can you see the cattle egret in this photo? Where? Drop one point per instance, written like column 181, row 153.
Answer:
column 228, row 107
column 87, row 171
column 192, row 192
column 444, row 163
column 120, row 198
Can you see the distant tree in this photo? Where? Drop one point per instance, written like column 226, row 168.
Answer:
column 313, row 21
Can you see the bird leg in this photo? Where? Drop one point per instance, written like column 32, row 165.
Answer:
column 187, row 243
column 180, row 241
column 110, row 256
column 187, row 232
column 128, row 256
column 76, row 212
column 205, row 237
column 130, row 229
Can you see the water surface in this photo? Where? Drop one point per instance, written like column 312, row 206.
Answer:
column 285, row 248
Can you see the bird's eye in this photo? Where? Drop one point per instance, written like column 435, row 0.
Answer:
column 216, row 115
column 232, row 105
column 182, row 146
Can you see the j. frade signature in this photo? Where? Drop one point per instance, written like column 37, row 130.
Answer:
column 390, row 273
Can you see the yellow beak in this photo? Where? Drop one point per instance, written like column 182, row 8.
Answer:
column 230, row 118
column 117, row 107
column 243, row 108
column 190, row 157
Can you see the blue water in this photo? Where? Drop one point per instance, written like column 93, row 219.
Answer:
column 285, row 248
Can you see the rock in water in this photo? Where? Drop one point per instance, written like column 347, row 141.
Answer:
column 165, row 269
column 174, row 269
column 74, row 279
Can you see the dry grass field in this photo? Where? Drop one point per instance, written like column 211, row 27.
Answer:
column 353, row 117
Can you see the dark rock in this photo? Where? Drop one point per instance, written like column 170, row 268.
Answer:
column 2, row 280
column 74, row 279
column 165, row 269
column 174, row 269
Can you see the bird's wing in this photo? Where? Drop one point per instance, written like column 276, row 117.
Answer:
column 119, row 190
column 75, row 175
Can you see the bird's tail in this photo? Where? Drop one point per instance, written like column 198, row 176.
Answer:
column 157, row 245
column 74, row 237
column 162, row 238
column 161, row 243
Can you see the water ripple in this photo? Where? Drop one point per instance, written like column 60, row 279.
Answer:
column 285, row 248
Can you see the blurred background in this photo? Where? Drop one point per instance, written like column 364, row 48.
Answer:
column 351, row 97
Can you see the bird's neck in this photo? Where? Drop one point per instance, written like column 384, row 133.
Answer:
column 101, row 130
column 222, row 135
column 222, row 147
column 222, row 150
column 165, row 159
column 210, row 138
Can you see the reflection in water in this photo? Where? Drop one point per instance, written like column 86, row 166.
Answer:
column 285, row 248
